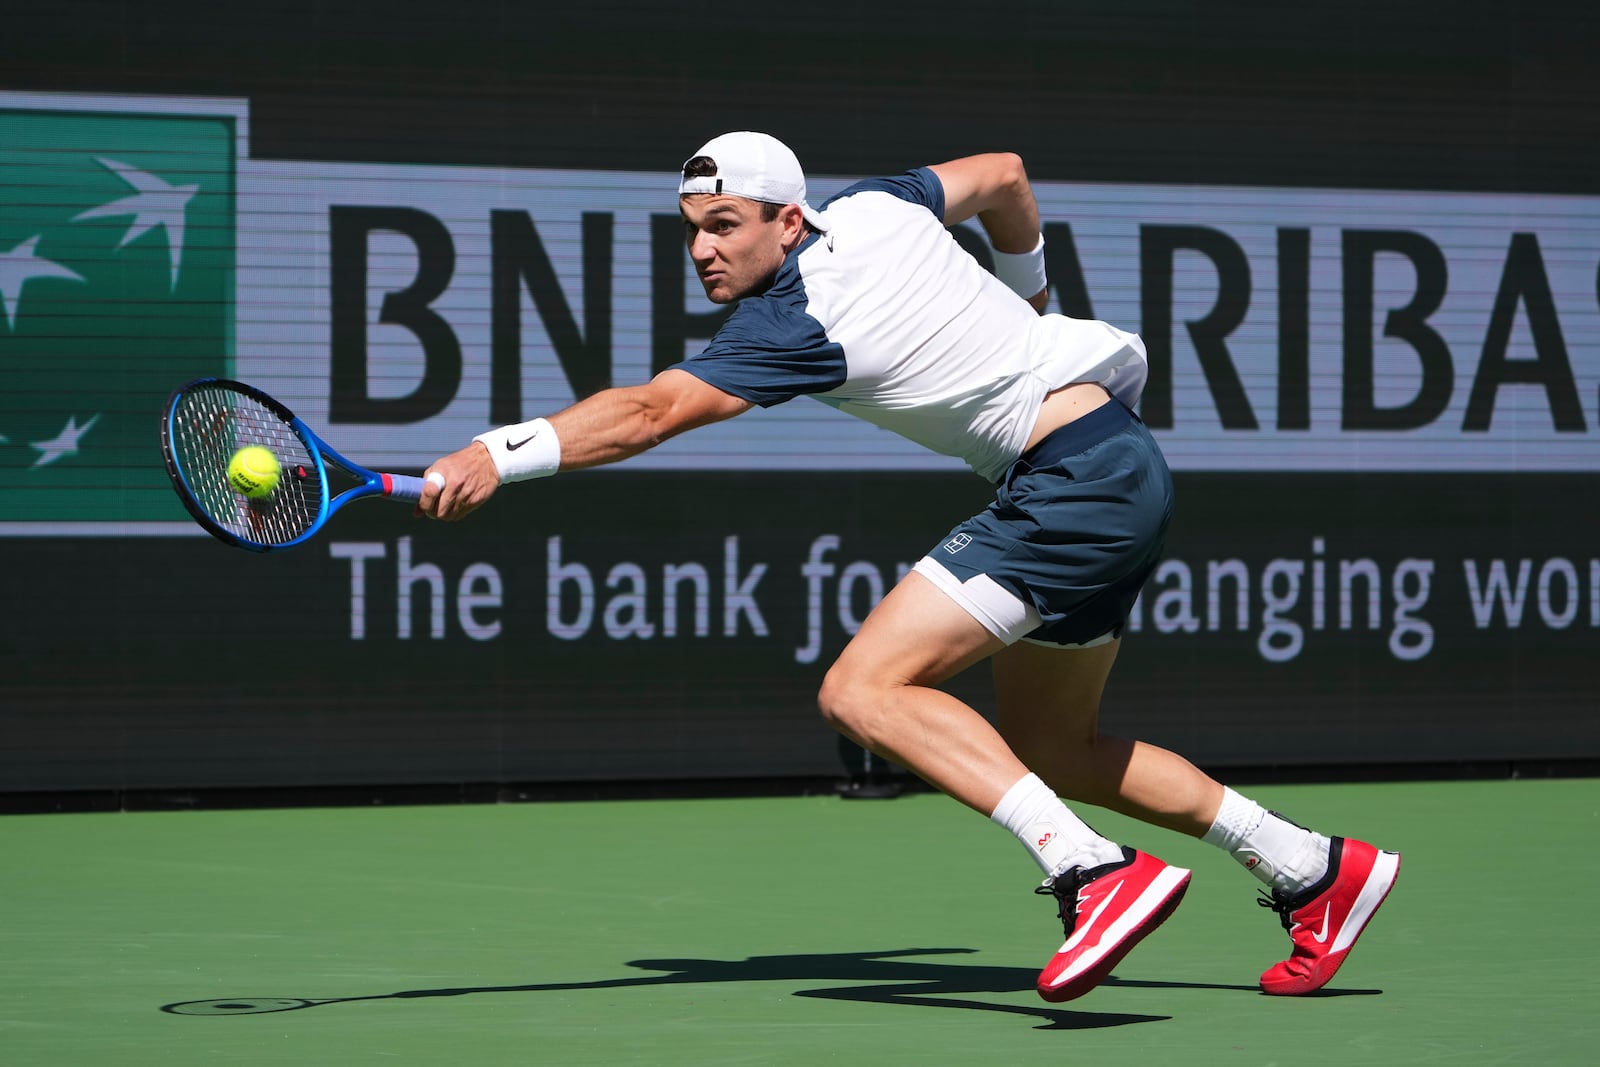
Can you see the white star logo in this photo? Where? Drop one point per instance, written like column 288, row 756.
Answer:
column 64, row 443
column 20, row 266
column 154, row 203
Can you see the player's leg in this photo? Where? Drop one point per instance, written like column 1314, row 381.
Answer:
column 880, row 694
column 1047, row 703
column 1324, row 890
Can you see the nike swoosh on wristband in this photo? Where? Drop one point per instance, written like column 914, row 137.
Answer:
column 1322, row 935
column 513, row 447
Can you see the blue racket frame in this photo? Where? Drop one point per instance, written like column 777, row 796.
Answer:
column 401, row 487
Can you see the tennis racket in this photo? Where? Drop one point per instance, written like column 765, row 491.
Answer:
column 209, row 419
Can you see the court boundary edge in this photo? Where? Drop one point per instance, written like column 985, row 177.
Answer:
column 176, row 798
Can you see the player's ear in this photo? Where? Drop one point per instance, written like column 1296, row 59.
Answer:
column 794, row 225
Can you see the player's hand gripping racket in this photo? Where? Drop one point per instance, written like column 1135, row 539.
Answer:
column 209, row 420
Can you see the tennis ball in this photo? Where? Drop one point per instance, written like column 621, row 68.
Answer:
column 254, row 471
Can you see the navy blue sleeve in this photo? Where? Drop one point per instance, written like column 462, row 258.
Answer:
column 920, row 186
column 769, row 351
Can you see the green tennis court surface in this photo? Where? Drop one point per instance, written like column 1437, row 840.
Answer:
column 769, row 931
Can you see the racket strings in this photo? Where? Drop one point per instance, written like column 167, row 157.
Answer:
column 209, row 425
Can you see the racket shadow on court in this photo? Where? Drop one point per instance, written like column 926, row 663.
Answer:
column 900, row 976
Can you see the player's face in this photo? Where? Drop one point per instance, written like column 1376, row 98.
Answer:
column 735, row 253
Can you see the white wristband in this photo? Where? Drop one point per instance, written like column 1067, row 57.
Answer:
column 1023, row 272
column 523, row 450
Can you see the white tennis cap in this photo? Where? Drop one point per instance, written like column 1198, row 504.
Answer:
column 756, row 166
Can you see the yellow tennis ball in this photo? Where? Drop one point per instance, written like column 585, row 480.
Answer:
column 254, row 471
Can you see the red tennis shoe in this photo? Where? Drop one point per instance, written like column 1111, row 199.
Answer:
column 1325, row 918
column 1105, row 911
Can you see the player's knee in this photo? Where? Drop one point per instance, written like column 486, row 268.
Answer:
column 846, row 703
column 832, row 699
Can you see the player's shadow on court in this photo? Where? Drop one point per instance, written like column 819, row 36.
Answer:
column 900, row 976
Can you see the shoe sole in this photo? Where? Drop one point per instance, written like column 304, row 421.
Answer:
column 1374, row 891
column 1080, row 984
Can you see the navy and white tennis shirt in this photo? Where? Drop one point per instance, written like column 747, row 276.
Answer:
column 887, row 318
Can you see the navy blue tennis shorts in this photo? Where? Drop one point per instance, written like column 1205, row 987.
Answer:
column 1078, row 523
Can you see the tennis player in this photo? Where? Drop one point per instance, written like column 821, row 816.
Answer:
column 870, row 306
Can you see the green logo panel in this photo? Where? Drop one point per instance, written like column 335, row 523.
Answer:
column 117, row 250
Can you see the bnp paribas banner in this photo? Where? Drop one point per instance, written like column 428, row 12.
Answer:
column 1383, row 408
column 401, row 309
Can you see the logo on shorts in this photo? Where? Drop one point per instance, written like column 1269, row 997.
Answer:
column 957, row 543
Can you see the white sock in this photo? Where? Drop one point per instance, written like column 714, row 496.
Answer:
column 1053, row 836
column 1281, row 854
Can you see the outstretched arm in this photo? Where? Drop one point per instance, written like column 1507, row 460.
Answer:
column 995, row 188
column 609, row 426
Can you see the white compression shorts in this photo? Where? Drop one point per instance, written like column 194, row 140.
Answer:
column 999, row 610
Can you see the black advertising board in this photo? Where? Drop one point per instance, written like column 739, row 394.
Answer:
column 1366, row 265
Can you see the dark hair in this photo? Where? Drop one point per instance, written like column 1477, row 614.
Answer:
column 700, row 167
column 706, row 167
